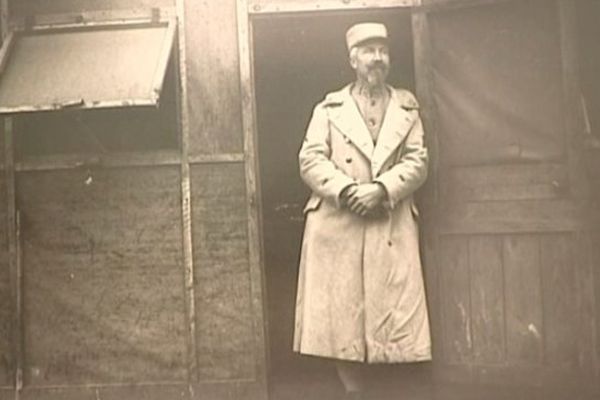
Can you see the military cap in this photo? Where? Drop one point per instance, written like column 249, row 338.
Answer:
column 365, row 31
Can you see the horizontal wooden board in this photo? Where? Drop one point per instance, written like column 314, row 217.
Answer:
column 32, row 7
column 180, row 391
column 213, row 77
column 224, row 320
column 5, row 294
column 103, row 299
column 277, row 6
column 512, row 217
column 504, row 182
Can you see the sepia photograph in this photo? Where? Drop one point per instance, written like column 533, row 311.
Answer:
column 300, row 200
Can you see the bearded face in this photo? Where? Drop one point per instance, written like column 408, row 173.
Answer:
column 371, row 61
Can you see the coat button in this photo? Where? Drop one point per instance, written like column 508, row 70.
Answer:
column 390, row 243
column 348, row 160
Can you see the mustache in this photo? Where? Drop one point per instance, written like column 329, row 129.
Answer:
column 377, row 65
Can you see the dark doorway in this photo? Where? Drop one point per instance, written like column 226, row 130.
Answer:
column 298, row 59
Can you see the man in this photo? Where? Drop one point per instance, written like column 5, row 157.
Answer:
column 360, row 295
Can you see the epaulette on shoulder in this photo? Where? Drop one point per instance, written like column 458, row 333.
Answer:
column 408, row 101
column 332, row 100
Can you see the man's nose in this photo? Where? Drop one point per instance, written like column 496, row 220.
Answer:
column 378, row 55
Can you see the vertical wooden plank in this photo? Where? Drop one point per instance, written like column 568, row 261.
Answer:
column 523, row 295
column 567, row 16
column 595, row 239
column 186, row 197
column 213, row 77
column 586, row 342
column 559, row 288
column 456, row 308
column 6, row 275
column 6, row 359
column 424, row 84
column 4, row 19
column 256, row 264
column 225, row 337
column 487, row 298
column 13, row 262
column 428, row 197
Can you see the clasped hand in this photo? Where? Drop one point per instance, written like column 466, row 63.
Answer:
column 363, row 199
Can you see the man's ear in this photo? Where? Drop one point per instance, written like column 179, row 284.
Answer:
column 352, row 61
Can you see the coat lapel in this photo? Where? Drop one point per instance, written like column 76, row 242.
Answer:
column 396, row 125
column 348, row 120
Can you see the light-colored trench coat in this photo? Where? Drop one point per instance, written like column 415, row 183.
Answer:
column 360, row 290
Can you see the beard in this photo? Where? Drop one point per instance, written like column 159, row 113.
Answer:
column 377, row 74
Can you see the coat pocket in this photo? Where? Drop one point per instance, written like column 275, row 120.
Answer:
column 312, row 204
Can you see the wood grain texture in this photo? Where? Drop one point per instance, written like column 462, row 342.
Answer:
column 559, row 289
column 31, row 7
column 103, row 278
column 522, row 282
column 505, row 182
column 595, row 239
column 255, row 255
column 213, row 77
column 511, row 217
column 582, row 252
column 225, row 320
column 456, row 308
column 6, row 361
column 179, row 391
column 280, row 6
column 487, row 298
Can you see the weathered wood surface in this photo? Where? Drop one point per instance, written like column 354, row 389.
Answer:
column 204, row 391
column 103, row 278
column 224, row 318
column 595, row 239
column 280, row 6
column 32, row 7
column 213, row 77
column 505, row 182
column 518, row 308
column 487, row 297
column 512, row 216
column 6, row 362
column 523, row 294
column 456, row 308
column 559, row 287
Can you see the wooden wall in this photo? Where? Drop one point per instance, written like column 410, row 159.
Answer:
column 106, row 309
column 6, row 361
column 33, row 7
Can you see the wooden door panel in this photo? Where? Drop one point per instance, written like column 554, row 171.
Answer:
column 487, row 295
column 559, row 287
column 455, row 304
column 511, row 303
column 505, row 182
column 523, row 294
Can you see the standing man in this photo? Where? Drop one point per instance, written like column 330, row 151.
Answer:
column 361, row 297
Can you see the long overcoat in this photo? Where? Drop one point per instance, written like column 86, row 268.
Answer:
column 360, row 292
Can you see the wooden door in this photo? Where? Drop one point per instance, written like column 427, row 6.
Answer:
column 507, row 254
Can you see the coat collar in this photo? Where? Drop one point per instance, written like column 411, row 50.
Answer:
column 396, row 123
